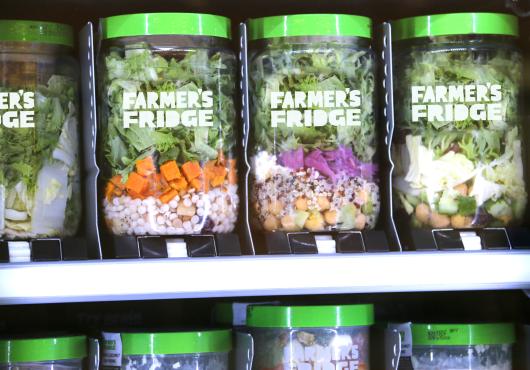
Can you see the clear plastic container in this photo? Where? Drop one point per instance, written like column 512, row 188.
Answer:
column 313, row 127
column 458, row 142
column 167, row 110
column 462, row 346
column 39, row 125
column 205, row 350
column 65, row 353
column 304, row 337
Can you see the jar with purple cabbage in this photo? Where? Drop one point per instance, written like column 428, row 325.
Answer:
column 313, row 132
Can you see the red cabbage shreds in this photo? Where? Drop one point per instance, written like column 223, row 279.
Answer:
column 343, row 160
column 293, row 159
column 316, row 160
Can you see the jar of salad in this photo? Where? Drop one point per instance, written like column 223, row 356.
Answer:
column 311, row 337
column 39, row 128
column 458, row 142
column 462, row 346
column 167, row 110
column 66, row 353
column 313, row 127
column 197, row 350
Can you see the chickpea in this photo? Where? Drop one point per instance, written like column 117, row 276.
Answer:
column 423, row 213
column 505, row 219
column 330, row 217
column 360, row 221
column 315, row 222
column 460, row 222
column 271, row 223
column 288, row 223
column 323, row 203
column 439, row 221
column 301, row 204
column 462, row 189
column 275, row 207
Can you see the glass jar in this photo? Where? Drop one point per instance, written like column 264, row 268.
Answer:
column 457, row 146
column 40, row 193
column 202, row 350
column 310, row 337
column 65, row 353
column 462, row 346
column 167, row 110
column 313, row 128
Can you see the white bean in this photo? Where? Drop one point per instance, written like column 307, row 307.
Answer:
column 187, row 202
column 194, row 220
column 160, row 220
column 142, row 210
column 173, row 204
column 164, row 208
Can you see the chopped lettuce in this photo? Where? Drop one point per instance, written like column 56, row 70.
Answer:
column 140, row 69
column 28, row 204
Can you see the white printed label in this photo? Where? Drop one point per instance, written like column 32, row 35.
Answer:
column 111, row 350
column 341, row 354
column 316, row 108
column 16, row 109
column 168, row 109
column 454, row 103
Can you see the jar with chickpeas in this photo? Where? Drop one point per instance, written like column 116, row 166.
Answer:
column 458, row 146
column 313, row 129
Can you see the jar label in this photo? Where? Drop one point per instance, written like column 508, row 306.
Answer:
column 316, row 108
column 168, row 109
column 17, row 109
column 456, row 103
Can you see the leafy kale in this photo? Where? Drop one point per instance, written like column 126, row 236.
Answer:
column 140, row 69
column 325, row 66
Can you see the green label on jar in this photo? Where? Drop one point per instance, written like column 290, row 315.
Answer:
column 457, row 103
column 17, row 109
column 316, row 108
column 168, row 109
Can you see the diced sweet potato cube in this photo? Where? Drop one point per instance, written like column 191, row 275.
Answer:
column 117, row 181
column 217, row 181
column 197, row 184
column 170, row 170
column 179, row 184
column 146, row 166
column 168, row 195
column 136, row 184
column 191, row 170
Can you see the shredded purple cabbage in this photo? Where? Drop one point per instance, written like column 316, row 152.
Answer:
column 293, row 159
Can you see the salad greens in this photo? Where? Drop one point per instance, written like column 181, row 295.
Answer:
column 467, row 172
column 39, row 180
column 139, row 69
column 312, row 67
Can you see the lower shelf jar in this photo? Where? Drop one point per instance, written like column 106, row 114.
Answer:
column 310, row 337
column 462, row 346
column 43, row 353
column 194, row 350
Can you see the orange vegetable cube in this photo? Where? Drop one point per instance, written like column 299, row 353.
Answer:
column 191, row 170
column 197, row 184
column 170, row 170
column 136, row 184
column 117, row 181
column 179, row 184
column 217, row 181
column 109, row 190
column 168, row 195
column 209, row 170
column 146, row 166
column 232, row 176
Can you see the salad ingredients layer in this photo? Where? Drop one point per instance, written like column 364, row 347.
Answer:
column 168, row 135
column 342, row 348
column 203, row 361
column 462, row 168
column 313, row 137
column 479, row 357
column 39, row 179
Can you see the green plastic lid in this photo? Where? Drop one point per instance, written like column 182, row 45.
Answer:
column 42, row 349
column 310, row 25
column 462, row 334
column 212, row 341
column 36, row 31
column 194, row 24
column 310, row 316
column 455, row 24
